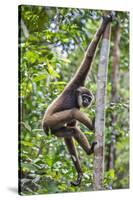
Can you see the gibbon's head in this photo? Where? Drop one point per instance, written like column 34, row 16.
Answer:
column 84, row 97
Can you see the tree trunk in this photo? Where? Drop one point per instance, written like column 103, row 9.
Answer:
column 115, row 80
column 100, row 106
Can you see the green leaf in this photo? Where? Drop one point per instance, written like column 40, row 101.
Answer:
column 26, row 143
column 88, row 132
column 112, row 173
column 52, row 72
column 40, row 77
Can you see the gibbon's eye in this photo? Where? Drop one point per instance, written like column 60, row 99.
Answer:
column 86, row 100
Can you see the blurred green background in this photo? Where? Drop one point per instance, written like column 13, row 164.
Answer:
column 52, row 43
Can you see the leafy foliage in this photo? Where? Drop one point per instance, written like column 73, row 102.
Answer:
column 52, row 43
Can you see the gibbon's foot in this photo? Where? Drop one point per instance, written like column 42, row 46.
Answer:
column 76, row 183
column 92, row 148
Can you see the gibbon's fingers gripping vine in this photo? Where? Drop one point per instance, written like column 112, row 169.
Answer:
column 61, row 116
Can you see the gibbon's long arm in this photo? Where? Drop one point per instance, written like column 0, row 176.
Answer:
column 60, row 118
column 80, row 76
column 74, row 156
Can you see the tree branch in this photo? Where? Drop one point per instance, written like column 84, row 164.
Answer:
column 100, row 107
column 24, row 28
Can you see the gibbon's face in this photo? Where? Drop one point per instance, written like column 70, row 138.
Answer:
column 84, row 97
column 84, row 100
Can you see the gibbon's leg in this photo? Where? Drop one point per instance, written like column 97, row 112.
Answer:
column 60, row 118
column 83, row 141
column 72, row 150
column 68, row 132
column 63, row 132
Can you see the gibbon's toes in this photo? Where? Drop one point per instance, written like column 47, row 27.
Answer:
column 93, row 145
column 92, row 148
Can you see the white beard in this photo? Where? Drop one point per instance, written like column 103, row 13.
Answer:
column 79, row 100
